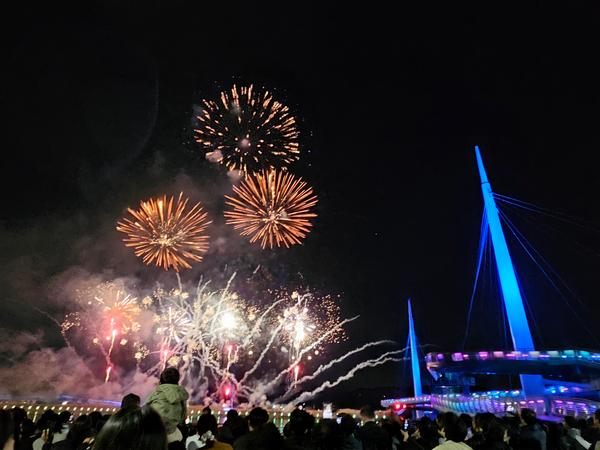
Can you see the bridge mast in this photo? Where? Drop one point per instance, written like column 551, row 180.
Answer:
column 511, row 294
column 414, row 355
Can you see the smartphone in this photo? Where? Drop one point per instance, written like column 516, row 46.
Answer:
column 338, row 419
column 406, row 425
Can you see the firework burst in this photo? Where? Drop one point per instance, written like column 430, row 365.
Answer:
column 217, row 336
column 302, row 319
column 121, row 309
column 248, row 130
column 165, row 233
column 273, row 208
column 109, row 316
column 224, row 347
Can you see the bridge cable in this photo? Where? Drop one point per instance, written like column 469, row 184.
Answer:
column 549, row 230
column 524, row 243
column 483, row 235
column 548, row 212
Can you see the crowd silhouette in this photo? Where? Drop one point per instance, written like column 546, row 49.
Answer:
column 160, row 424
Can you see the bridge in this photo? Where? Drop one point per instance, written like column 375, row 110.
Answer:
column 553, row 382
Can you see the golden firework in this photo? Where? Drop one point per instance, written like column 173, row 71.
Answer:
column 273, row 208
column 248, row 130
column 166, row 233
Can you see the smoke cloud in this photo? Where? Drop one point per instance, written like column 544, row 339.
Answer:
column 46, row 374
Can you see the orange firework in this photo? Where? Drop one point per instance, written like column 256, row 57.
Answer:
column 163, row 232
column 248, row 130
column 273, row 208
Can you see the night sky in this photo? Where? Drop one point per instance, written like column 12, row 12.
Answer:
column 98, row 111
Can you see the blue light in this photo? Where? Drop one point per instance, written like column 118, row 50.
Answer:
column 513, row 303
column 414, row 355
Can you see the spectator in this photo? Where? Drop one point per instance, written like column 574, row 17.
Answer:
column 263, row 435
column 77, row 435
column 513, row 422
column 56, row 428
column 468, row 420
column 591, row 433
column 257, row 418
column 169, row 400
column 372, row 436
column 442, row 420
column 7, row 431
column 327, row 435
column 394, row 430
column 480, row 426
column 233, row 428
column 269, row 438
column 206, row 435
column 96, row 422
column 426, row 437
column 19, row 417
column 572, row 439
column 496, row 437
column 131, row 400
column 531, row 430
column 133, row 428
column 554, row 432
column 298, row 430
column 582, row 425
column 27, row 435
column 348, row 428
column 454, row 432
column 47, row 418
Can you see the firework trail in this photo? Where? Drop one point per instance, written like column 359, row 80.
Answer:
column 306, row 313
column 56, row 322
column 260, row 321
column 273, row 208
column 322, row 368
column 247, row 130
column 165, row 233
column 268, row 387
column 262, row 355
column 109, row 364
column 385, row 358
